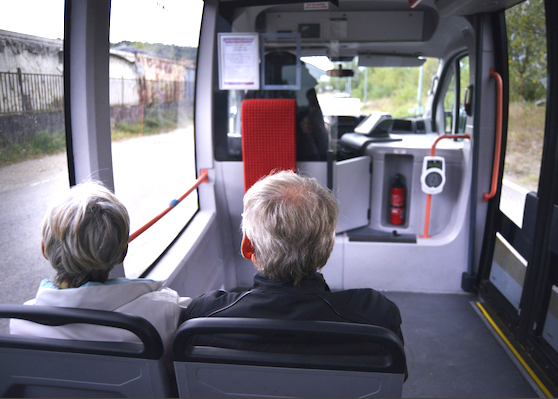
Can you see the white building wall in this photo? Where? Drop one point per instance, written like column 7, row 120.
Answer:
column 32, row 54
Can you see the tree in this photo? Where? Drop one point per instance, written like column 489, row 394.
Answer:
column 398, row 84
column 526, row 29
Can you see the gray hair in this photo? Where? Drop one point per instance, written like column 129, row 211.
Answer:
column 86, row 235
column 290, row 221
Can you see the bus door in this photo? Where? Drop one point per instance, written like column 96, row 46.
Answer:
column 518, row 267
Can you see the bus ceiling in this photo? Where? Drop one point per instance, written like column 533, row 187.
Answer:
column 365, row 28
column 444, row 7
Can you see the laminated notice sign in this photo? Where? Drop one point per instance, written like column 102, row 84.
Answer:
column 238, row 61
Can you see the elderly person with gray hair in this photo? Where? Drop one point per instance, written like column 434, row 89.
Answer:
column 84, row 237
column 288, row 226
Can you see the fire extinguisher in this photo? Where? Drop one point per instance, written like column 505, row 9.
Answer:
column 397, row 203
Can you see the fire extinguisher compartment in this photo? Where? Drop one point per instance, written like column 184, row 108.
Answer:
column 397, row 201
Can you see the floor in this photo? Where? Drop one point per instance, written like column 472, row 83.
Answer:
column 452, row 353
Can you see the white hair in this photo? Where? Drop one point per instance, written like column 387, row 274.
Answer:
column 85, row 235
column 290, row 221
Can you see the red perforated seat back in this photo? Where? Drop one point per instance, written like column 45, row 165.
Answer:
column 268, row 137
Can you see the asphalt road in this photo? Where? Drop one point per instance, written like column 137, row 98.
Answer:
column 22, row 265
column 142, row 166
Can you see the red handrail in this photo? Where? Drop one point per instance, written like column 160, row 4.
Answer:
column 497, row 150
column 202, row 179
column 429, row 196
column 498, row 141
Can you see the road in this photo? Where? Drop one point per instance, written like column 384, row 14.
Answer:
column 142, row 166
column 22, row 265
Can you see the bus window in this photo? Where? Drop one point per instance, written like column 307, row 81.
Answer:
column 152, row 69
column 449, row 105
column 33, row 164
column 463, row 85
column 526, row 31
column 398, row 91
column 455, row 117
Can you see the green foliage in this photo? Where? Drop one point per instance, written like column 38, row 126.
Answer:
column 124, row 129
column 527, row 50
column 527, row 57
column 155, row 121
column 159, row 122
column 394, row 86
column 525, row 143
column 45, row 143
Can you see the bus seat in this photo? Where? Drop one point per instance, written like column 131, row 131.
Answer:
column 47, row 367
column 268, row 137
column 285, row 358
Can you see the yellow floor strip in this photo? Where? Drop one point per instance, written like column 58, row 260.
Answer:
column 508, row 343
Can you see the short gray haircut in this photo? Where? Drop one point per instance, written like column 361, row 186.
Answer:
column 290, row 221
column 86, row 235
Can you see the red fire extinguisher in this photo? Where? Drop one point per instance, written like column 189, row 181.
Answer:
column 397, row 203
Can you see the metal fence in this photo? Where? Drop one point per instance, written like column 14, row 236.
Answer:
column 22, row 93
column 30, row 92
column 125, row 92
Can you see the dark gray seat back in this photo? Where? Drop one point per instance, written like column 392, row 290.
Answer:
column 46, row 367
column 242, row 357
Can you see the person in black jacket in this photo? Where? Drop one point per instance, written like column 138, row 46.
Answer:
column 288, row 226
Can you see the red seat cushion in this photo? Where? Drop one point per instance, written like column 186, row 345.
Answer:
column 268, row 137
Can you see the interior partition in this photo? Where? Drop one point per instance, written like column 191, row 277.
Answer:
column 392, row 257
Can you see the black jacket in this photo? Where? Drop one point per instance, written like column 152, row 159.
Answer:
column 311, row 300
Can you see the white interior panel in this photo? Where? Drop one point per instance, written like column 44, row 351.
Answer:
column 428, row 266
column 352, row 190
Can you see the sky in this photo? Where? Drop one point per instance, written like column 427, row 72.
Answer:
column 153, row 21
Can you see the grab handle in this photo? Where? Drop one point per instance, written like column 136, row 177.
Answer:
column 202, row 179
column 498, row 141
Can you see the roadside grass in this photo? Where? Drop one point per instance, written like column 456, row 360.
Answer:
column 156, row 121
column 48, row 143
column 45, row 143
column 387, row 103
column 525, row 143
column 526, row 122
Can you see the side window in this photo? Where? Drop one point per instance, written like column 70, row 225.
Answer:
column 152, row 69
column 234, row 136
column 449, row 105
column 527, row 63
column 455, row 117
column 463, row 85
column 33, row 165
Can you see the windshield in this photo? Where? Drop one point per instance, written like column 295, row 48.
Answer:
column 336, row 75
column 399, row 91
